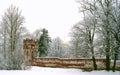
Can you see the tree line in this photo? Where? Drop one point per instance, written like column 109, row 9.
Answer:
column 98, row 32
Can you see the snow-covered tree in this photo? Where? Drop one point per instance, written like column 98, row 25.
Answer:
column 89, row 25
column 11, row 33
column 107, row 15
column 55, row 48
column 115, row 30
column 78, row 43
column 58, row 48
column 85, row 38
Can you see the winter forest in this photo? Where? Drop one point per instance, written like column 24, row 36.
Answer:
column 97, row 35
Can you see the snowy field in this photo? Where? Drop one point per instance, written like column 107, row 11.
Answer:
column 55, row 71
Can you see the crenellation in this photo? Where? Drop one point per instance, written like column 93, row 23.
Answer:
column 30, row 50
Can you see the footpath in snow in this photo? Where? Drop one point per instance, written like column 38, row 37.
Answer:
column 55, row 71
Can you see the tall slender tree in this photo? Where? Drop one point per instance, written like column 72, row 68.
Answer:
column 115, row 17
column 12, row 22
column 90, row 24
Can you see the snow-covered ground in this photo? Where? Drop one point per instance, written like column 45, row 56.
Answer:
column 55, row 71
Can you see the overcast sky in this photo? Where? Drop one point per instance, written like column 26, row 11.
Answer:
column 57, row 16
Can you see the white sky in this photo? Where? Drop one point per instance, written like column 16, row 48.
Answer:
column 57, row 16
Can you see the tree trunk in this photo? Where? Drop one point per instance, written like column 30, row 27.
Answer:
column 5, row 46
column 94, row 63
column 76, row 51
column 93, row 58
column 107, row 62
column 107, row 47
column 92, row 48
column 113, row 68
column 115, row 58
column 107, row 54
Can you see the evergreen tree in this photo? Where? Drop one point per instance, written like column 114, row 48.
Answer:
column 44, row 43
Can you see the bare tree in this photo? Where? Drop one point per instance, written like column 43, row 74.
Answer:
column 106, row 12
column 79, row 46
column 55, row 48
column 115, row 17
column 107, row 16
column 12, row 22
column 90, row 23
column 106, row 7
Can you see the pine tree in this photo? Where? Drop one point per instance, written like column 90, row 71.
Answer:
column 44, row 43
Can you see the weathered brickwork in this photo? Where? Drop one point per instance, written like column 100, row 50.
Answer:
column 68, row 63
column 31, row 58
column 30, row 50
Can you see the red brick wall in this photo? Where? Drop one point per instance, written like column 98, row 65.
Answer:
column 68, row 63
column 30, row 56
column 30, row 50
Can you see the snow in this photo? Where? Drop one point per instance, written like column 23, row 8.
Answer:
column 55, row 71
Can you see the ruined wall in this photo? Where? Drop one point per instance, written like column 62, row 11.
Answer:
column 30, row 50
column 30, row 56
column 68, row 63
column 71, row 63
